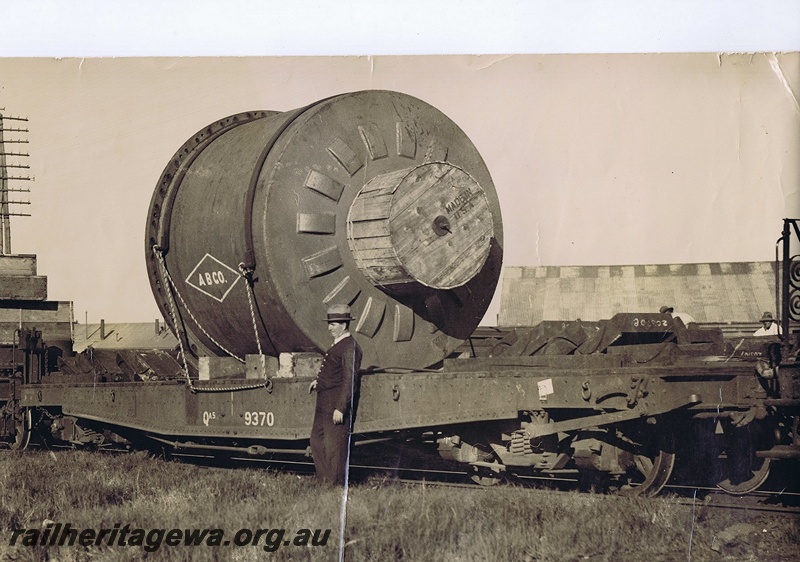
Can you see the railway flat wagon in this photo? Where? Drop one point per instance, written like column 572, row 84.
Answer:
column 379, row 201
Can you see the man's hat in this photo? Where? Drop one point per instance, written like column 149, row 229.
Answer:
column 767, row 317
column 666, row 309
column 339, row 313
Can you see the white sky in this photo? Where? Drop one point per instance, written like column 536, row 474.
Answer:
column 596, row 159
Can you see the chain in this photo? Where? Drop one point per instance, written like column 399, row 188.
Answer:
column 189, row 311
column 173, row 312
column 168, row 282
column 247, row 273
column 267, row 385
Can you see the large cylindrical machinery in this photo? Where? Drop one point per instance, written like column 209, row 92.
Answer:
column 373, row 199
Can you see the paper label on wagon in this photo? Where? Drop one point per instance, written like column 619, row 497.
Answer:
column 545, row 388
column 213, row 278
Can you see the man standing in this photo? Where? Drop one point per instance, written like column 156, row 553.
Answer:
column 335, row 385
column 770, row 327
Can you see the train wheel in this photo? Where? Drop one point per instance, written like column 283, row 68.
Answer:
column 484, row 475
column 650, row 466
column 741, row 471
column 23, row 424
column 485, row 480
column 759, row 472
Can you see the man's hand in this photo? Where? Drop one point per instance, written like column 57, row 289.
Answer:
column 313, row 386
column 338, row 417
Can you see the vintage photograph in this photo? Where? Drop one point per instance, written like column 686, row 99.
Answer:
column 400, row 307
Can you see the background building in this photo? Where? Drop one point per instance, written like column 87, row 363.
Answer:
column 731, row 294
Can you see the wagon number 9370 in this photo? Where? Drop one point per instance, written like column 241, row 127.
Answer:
column 259, row 418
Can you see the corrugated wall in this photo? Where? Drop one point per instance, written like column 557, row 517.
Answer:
column 710, row 292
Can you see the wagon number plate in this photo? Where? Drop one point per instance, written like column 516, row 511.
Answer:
column 259, row 419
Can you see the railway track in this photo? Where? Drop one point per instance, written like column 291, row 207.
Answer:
column 758, row 502
column 772, row 501
column 763, row 501
column 780, row 495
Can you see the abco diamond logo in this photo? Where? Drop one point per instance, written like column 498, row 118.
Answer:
column 212, row 277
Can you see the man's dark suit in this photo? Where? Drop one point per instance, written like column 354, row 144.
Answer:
column 337, row 379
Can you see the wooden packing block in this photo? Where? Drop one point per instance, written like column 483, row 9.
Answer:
column 52, row 332
column 52, row 318
column 23, row 287
column 260, row 366
column 299, row 364
column 211, row 368
column 33, row 312
column 22, row 264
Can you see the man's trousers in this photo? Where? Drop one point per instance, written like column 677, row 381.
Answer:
column 330, row 443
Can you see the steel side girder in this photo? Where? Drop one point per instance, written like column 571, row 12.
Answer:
column 392, row 401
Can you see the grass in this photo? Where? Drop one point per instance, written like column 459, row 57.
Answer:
column 385, row 520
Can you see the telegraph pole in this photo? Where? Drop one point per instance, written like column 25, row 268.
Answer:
column 11, row 172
